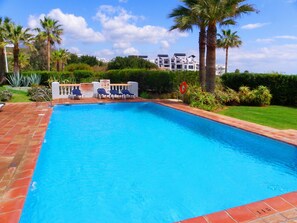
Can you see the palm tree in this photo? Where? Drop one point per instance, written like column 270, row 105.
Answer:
column 17, row 35
column 185, row 19
column 228, row 40
column 218, row 12
column 60, row 58
column 3, row 33
column 51, row 32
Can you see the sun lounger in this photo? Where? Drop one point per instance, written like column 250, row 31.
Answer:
column 101, row 93
column 76, row 93
column 126, row 93
column 115, row 93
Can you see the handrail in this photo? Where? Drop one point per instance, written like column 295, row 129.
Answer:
column 64, row 85
column 120, row 84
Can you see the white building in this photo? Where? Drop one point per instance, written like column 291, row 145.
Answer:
column 163, row 61
column 180, row 62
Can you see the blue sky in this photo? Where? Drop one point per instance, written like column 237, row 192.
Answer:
column 110, row 28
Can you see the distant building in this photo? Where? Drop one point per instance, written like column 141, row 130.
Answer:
column 163, row 61
column 140, row 56
column 180, row 61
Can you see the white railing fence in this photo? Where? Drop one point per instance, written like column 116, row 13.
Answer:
column 90, row 89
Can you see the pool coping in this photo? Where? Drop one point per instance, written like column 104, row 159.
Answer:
column 24, row 127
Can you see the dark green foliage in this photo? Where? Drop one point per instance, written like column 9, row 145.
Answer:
column 90, row 60
column 40, row 93
column 154, row 81
column 148, row 80
column 38, row 57
column 85, row 59
column 282, row 87
column 130, row 63
column 73, row 58
column 81, row 75
column 5, row 95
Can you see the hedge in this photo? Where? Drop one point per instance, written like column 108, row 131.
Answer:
column 282, row 87
column 156, row 81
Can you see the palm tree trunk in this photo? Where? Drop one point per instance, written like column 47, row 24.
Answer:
column 211, row 58
column 226, row 61
column 16, row 52
column 2, row 64
column 48, row 55
column 202, row 43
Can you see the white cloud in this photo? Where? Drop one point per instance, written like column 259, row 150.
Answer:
column 266, row 40
column 120, row 30
column 121, row 45
column 74, row 50
column 274, row 58
column 130, row 50
column 254, row 25
column 75, row 27
column 286, row 37
column 165, row 45
column 104, row 53
column 120, row 26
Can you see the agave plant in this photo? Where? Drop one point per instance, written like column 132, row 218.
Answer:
column 26, row 81
column 35, row 79
column 15, row 80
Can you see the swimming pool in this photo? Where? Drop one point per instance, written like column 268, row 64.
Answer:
column 143, row 162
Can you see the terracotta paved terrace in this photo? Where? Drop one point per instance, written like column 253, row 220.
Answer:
column 23, row 127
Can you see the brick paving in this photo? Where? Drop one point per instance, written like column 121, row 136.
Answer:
column 23, row 127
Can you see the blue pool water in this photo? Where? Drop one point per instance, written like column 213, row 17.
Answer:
column 142, row 162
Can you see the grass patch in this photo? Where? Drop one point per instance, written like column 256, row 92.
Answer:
column 17, row 95
column 279, row 117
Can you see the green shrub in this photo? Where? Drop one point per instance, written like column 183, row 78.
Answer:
column 262, row 96
column 79, row 66
column 195, row 97
column 5, row 95
column 245, row 95
column 282, row 87
column 227, row 96
column 40, row 93
column 145, row 95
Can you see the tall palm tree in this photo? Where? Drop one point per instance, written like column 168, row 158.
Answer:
column 218, row 12
column 51, row 32
column 17, row 35
column 60, row 58
column 3, row 33
column 185, row 19
column 228, row 40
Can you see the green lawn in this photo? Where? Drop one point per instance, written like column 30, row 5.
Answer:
column 17, row 95
column 279, row 117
